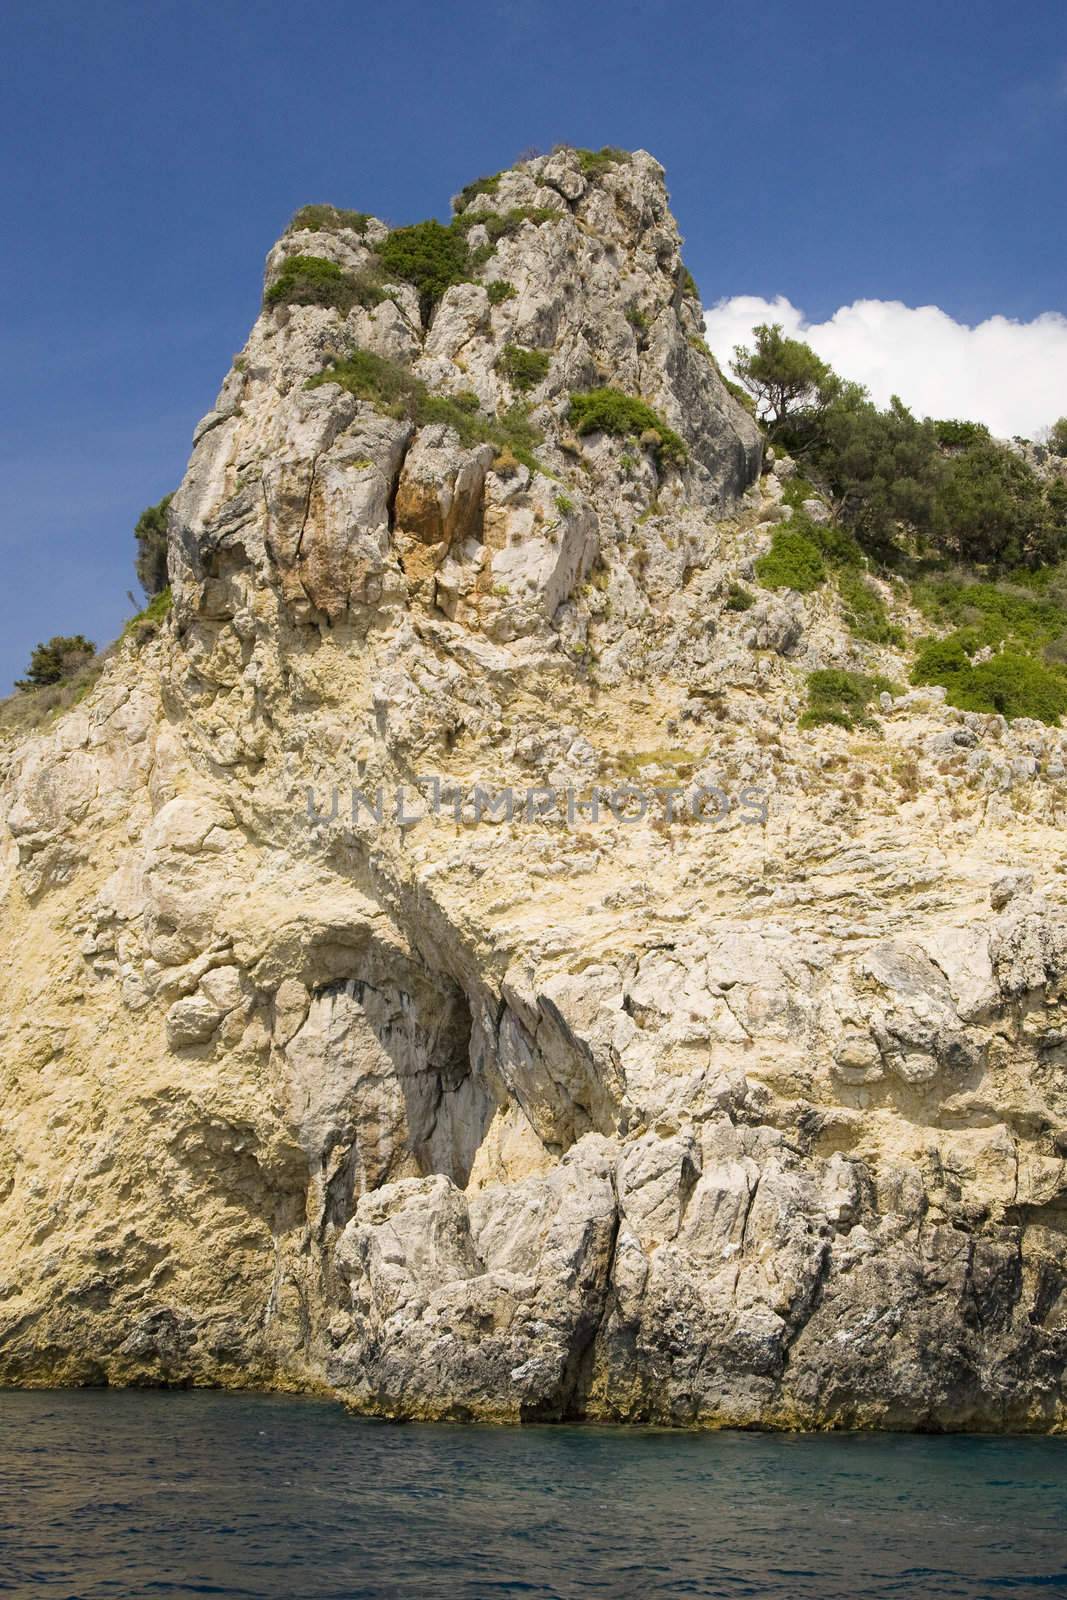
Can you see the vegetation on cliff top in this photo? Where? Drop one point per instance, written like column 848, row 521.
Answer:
column 479, row 186
column 977, row 532
column 936, row 491
column 594, row 162
column 428, row 255
column 328, row 219
column 432, row 256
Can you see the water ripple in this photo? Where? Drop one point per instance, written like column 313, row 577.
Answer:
column 132, row 1495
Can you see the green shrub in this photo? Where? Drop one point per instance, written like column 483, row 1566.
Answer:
column 792, row 562
column 314, row 281
column 1025, row 625
column 1015, row 685
column 840, row 698
column 499, row 291
column 941, row 660
column 1057, row 437
column 428, row 255
column 471, row 191
column 637, row 319
column 398, row 393
column 146, row 624
column 434, row 257
column 689, row 285
column 738, row 598
column 832, row 540
column 1010, row 682
column 1030, row 616
column 801, row 552
column 594, row 162
column 515, row 432
column 524, row 369
column 796, row 490
column 825, row 716
column 625, row 417
column 501, row 225
column 306, row 280
column 384, row 383
column 953, row 434
column 865, row 612
column 61, row 658
column 991, row 509
column 150, row 531
column 328, row 219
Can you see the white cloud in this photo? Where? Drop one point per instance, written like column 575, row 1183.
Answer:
column 1010, row 375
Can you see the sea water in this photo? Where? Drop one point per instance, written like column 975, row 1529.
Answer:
column 138, row 1493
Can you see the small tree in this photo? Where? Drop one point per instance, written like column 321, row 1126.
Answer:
column 60, row 658
column 1057, row 437
column 783, row 375
column 992, row 510
column 151, row 535
column 882, row 467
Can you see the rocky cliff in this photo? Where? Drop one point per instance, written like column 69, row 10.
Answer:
column 721, row 1081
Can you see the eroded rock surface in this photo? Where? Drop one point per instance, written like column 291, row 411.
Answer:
column 759, row 1117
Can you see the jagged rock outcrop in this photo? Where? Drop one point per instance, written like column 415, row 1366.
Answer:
column 738, row 1098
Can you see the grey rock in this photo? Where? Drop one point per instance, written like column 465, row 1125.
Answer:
column 1006, row 888
column 745, row 1114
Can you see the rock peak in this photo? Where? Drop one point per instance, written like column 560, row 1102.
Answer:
column 444, row 967
column 543, row 351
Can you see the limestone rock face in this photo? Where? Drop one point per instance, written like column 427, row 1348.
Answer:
column 440, row 971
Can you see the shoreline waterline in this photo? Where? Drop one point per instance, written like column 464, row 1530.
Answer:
column 309, row 1390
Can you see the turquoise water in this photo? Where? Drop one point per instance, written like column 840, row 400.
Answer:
column 181, row 1494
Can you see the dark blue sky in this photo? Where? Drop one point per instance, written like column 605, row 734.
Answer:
column 151, row 153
